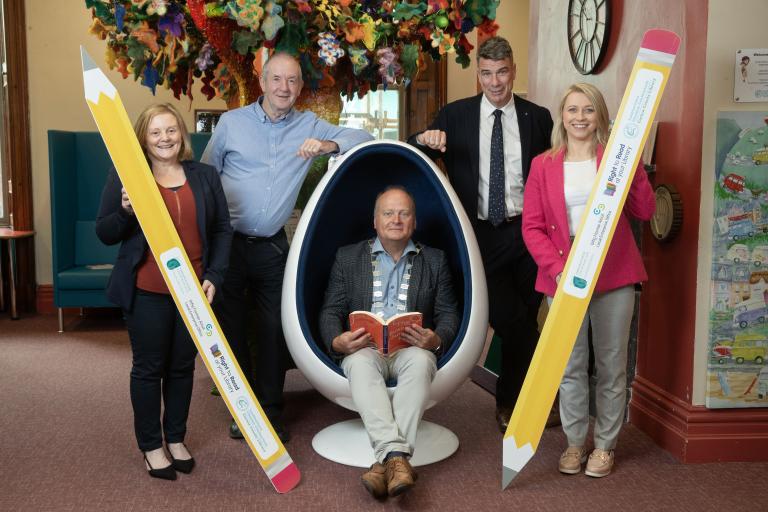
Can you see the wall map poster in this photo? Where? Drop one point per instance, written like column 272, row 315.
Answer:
column 737, row 373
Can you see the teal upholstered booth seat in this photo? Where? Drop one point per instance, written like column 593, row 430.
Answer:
column 78, row 164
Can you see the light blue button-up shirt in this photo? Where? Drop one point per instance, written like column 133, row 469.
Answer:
column 391, row 275
column 260, row 170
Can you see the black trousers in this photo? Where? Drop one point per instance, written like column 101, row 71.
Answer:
column 254, row 284
column 163, row 366
column 513, row 302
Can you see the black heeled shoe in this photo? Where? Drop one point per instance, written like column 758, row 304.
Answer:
column 166, row 473
column 182, row 465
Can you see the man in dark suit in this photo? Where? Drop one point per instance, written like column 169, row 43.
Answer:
column 487, row 143
column 388, row 275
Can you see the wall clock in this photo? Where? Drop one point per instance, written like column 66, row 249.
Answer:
column 668, row 217
column 589, row 27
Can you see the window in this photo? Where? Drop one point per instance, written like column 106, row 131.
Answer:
column 206, row 120
column 378, row 113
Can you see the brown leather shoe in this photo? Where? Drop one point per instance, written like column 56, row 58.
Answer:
column 400, row 476
column 375, row 481
column 503, row 414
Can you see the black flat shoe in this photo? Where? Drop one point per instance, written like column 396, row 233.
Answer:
column 234, row 431
column 166, row 473
column 503, row 414
column 280, row 430
column 182, row 465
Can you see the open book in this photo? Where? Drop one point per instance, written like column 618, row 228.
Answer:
column 386, row 334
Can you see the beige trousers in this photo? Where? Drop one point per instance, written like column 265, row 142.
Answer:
column 391, row 424
column 611, row 315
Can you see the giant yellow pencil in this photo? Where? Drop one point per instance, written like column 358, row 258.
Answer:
column 164, row 242
column 622, row 155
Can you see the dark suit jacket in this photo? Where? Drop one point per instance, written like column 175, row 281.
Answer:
column 460, row 120
column 350, row 288
column 114, row 225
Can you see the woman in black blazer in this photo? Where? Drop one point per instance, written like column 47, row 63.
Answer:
column 163, row 351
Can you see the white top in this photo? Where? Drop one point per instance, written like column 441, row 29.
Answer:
column 578, row 180
column 513, row 164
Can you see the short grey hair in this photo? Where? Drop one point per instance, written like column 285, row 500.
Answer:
column 495, row 48
column 390, row 188
column 277, row 55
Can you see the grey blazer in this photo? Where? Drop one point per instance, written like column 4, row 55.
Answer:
column 350, row 288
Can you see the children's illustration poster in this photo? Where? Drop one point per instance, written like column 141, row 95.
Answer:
column 737, row 373
column 750, row 78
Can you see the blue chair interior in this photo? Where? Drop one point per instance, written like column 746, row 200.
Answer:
column 344, row 215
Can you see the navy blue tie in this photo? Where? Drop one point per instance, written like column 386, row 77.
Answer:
column 496, row 205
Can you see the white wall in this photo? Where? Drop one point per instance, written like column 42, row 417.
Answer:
column 732, row 25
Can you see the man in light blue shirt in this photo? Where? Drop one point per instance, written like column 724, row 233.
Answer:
column 263, row 152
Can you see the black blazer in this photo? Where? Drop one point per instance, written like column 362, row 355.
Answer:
column 350, row 288
column 460, row 120
column 114, row 225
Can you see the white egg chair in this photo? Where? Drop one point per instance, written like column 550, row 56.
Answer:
column 340, row 212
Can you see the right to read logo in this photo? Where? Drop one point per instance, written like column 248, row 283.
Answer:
column 579, row 282
column 173, row 263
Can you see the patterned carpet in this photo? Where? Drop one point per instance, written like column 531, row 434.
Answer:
column 67, row 445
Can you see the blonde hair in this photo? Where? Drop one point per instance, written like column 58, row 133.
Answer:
column 593, row 94
column 142, row 126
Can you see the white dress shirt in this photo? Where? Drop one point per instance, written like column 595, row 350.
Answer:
column 513, row 164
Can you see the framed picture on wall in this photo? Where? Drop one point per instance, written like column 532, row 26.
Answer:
column 737, row 350
column 750, row 82
column 205, row 120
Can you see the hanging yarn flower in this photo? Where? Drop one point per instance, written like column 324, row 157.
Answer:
column 388, row 66
column 175, row 42
column 157, row 7
column 330, row 50
column 328, row 10
column 247, row 13
column 221, row 81
column 98, row 29
column 443, row 42
column 119, row 15
column 146, row 35
column 122, row 67
column 273, row 22
column 171, row 22
column 151, row 77
column 303, row 6
column 359, row 59
column 204, row 60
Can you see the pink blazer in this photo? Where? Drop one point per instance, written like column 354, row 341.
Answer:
column 545, row 227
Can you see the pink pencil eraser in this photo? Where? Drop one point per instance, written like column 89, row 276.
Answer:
column 287, row 479
column 661, row 41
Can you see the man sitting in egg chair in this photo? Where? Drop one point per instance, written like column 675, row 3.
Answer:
column 388, row 276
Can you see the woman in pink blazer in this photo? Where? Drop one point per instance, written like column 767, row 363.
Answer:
column 556, row 195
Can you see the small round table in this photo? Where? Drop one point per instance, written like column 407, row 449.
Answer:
column 11, row 236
